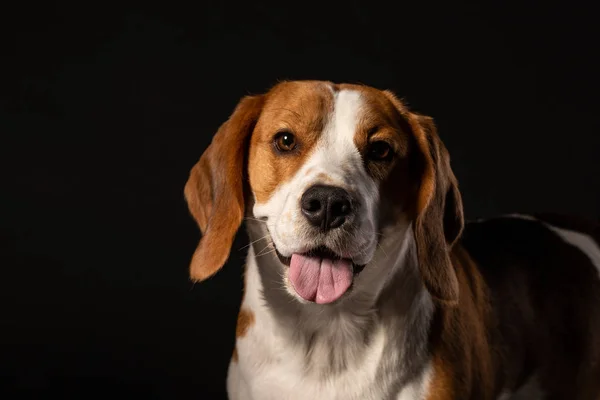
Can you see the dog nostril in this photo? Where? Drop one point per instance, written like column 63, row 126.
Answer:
column 345, row 208
column 340, row 208
column 313, row 205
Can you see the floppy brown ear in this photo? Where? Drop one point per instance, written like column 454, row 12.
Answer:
column 440, row 220
column 439, row 212
column 215, row 189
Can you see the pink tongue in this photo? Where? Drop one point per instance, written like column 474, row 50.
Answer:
column 320, row 279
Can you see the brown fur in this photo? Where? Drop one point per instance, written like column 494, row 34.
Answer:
column 459, row 338
column 295, row 107
column 528, row 306
column 544, row 317
column 244, row 322
column 439, row 214
column 381, row 120
column 441, row 386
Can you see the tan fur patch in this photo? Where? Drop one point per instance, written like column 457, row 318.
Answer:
column 244, row 322
column 324, row 179
column 379, row 120
column 301, row 108
column 440, row 386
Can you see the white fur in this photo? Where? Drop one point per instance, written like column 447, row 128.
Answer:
column 518, row 216
column 505, row 395
column 418, row 388
column 298, row 350
column 530, row 390
column 583, row 242
column 272, row 366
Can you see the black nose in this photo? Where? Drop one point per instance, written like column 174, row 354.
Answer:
column 327, row 207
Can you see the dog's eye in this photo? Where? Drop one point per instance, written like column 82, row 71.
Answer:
column 285, row 141
column 380, row 151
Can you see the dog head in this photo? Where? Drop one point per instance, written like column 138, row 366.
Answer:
column 329, row 169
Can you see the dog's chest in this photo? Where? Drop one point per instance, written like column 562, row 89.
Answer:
column 271, row 368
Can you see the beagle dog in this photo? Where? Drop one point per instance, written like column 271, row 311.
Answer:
column 362, row 280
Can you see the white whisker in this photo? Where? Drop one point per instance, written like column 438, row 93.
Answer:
column 251, row 243
column 382, row 249
column 255, row 219
column 268, row 252
column 262, row 252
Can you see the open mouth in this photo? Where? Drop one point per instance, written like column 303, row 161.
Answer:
column 320, row 252
column 320, row 275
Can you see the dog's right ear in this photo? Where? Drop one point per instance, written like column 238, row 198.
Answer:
column 215, row 189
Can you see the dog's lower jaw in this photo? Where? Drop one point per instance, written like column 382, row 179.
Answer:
column 369, row 279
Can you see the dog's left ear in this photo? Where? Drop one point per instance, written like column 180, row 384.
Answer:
column 440, row 220
column 439, row 212
column 215, row 189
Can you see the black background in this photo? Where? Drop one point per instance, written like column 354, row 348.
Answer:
column 104, row 110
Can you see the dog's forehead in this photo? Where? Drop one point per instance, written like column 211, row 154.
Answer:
column 315, row 95
column 331, row 122
column 315, row 101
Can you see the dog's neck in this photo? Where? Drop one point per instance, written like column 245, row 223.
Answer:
column 389, row 308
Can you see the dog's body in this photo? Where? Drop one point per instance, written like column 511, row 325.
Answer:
column 403, row 303
column 504, row 338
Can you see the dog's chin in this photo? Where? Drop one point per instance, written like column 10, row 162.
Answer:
column 319, row 275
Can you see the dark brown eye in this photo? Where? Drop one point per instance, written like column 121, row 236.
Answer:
column 285, row 141
column 380, row 151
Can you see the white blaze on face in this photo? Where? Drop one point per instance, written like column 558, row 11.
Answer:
column 335, row 160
